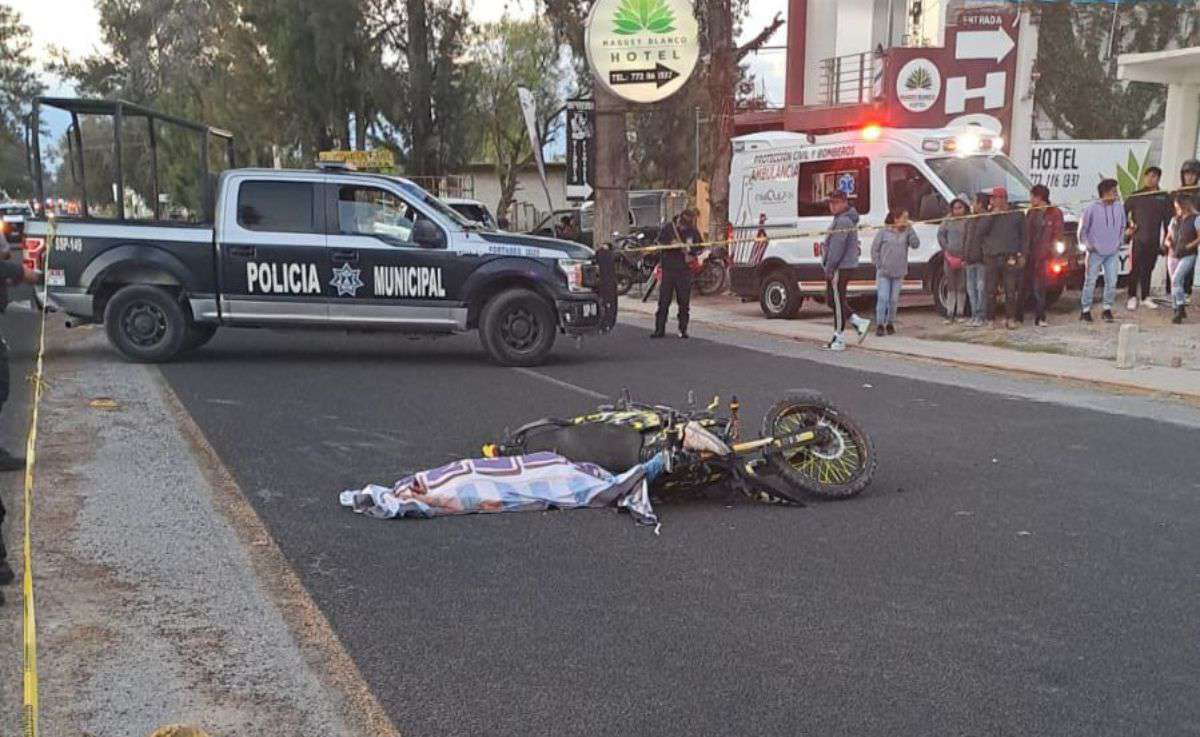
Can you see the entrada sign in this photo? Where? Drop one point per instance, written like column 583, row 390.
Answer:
column 969, row 80
column 642, row 50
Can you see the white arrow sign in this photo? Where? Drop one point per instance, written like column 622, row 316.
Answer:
column 994, row 44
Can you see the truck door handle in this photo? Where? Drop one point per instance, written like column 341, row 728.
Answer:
column 242, row 251
column 351, row 256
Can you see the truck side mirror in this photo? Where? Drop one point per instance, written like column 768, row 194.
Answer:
column 427, row 235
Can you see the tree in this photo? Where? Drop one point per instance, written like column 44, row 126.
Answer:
column 1076, row 88
column 508, row 55
column 429, row 119
column 18, row 86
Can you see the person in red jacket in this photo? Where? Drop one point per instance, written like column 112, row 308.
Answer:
column 1045, row 228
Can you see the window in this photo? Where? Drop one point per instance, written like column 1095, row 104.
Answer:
column 374, row 211
column 818, row 179
column 907, row 187
column 972, row 175
column 280, row 207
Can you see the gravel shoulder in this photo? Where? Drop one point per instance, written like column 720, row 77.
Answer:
column 161, row 598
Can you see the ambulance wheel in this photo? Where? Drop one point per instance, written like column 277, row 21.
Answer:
column 198, row 334
column 779, row 296
column 517, row 328
column 145, row 323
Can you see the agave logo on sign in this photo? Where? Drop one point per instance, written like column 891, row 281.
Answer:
column 642, row 50
column 654, row 16
column 918, row 85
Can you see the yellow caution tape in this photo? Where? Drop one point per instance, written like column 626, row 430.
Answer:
column 29, row 620
column 861, row 228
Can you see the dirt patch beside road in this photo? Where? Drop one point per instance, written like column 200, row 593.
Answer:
column 151, row 609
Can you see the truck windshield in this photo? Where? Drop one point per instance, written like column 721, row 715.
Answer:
column 971, row 175
column 433, row 203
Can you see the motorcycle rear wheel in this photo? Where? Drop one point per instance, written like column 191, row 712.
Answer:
column 838, row 469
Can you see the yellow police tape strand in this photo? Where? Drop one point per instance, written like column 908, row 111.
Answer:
column 29, row 621
column 862, row 228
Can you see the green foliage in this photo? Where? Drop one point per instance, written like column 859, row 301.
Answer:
column 654, row 16
column 1129, row 176
column 1077, row 86
column 18, row 84
column 508, row 55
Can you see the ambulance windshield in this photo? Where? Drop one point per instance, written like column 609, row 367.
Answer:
column 972, row 175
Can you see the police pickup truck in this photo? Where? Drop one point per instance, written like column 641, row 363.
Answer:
column 323, row 248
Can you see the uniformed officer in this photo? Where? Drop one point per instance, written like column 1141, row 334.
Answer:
column 676, row 274
column 11, row 272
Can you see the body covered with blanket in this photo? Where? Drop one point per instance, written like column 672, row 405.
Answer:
column 511, row 484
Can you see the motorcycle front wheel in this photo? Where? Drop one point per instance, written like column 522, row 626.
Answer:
column 839, row 468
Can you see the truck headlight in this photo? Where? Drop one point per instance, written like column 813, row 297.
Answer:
column 1082, row 248
column 1060, row 247
column 572, row 269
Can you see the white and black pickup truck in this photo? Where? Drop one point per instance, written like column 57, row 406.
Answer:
column 313, row 249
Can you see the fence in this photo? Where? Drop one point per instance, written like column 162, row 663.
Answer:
column 850, row 79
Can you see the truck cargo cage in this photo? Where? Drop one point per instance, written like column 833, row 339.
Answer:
column 158, row 126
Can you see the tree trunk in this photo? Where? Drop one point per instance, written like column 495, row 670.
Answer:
column 722, row 80
column 420, row 75
column 611, row 212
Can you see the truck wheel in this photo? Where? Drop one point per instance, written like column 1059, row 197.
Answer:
column 779, row 295
column 939, row 285
column 197, row 335
column 518, row 328
column 146, row 323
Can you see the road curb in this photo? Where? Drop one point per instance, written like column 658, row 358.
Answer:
column 324, row 652
column 646, row 310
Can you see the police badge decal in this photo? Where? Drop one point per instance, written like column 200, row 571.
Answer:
column 346, row 281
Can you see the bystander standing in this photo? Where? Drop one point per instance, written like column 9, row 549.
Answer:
column 951, row 237
column 1147, row 211
column 1045, row 225
column 976, row 268
column 1101, row 232
column 839, row 256
column 889, row 253
column 1183, row 238
column 1005, row 250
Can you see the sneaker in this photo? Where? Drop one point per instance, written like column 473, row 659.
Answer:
column 683, row 334
column 1149, row 304
column 837, row 344
column 1041, row 323
column 1010, row 325
column 1086, row 316
column 657, row 334
column 6, row 573
column 9, row 462
column 879, row 331
column 1132, row 304
column 861, row 326
column 891, row 329
column 1107, row 315
column 1178, row 318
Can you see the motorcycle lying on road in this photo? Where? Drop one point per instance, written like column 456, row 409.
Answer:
column 807, row 446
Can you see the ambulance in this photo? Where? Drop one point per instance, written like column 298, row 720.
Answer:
column 780, row 183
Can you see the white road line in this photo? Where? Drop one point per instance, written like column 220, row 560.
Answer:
column 563, row 384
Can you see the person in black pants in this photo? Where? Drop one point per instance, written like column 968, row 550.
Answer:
column 1147, row 211
column 10, row 271
column 676, row 276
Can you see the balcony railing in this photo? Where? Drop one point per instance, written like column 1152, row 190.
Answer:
column 850, row 79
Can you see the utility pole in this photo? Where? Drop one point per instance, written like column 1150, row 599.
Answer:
column 611, row 197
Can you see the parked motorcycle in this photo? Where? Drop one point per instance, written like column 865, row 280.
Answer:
column 632, row 267
column 807, row 446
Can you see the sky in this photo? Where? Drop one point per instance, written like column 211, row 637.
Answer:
column 73, row 25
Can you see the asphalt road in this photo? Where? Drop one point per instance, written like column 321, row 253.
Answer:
column 1018, row 567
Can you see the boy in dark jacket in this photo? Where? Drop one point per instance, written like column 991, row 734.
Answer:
column 1147, row 211
column 839, row 256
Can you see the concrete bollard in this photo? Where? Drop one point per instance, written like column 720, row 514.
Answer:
column 1127, row 346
